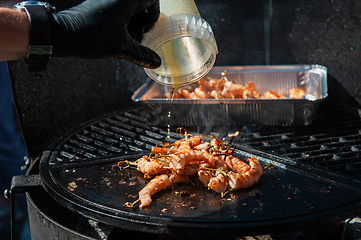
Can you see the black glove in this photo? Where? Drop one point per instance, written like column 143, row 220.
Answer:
column 105, row 29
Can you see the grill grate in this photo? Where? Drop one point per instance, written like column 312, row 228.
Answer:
column 332, row 144
column 123, row 134
column 317, row 181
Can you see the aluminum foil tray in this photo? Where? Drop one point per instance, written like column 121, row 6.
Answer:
column 272, row 112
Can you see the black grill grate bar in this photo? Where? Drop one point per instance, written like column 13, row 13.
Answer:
column 154, row 135
column 102, row 138
column 101, row 131
column 346, row 167
column 90, row 155
column 123, row 131
column 107, row 146
column 141, row 127
column 89, row 148
column 322, row 151
column 149, row 140
column 67, row 155
column 135, row 149
column 138, row 117
column 76, row 153
column 334, row 161
column 121, row 118
column 125, row 139
column 82, row 145
column 336, row 157
column 84, row 138
column 323, row 145
column 119, row 124
column 292, row 143
column 249, row 138
column 112, row 136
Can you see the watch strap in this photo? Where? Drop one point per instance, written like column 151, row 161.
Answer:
column 40, row 48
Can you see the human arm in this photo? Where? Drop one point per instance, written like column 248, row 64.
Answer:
column 101, row 29
column 14, row 34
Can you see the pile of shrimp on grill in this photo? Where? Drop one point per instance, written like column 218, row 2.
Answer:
column 212, row 161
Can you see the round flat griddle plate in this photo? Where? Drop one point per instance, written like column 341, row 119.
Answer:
column 285, row 199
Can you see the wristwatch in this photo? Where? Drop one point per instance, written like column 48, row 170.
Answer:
column 40, row 48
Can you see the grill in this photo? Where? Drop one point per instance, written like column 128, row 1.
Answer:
column 75, row 189
column 334, row 148
column 316, row 184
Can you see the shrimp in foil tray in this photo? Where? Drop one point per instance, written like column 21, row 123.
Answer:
column 212, row 162
column 210, row 88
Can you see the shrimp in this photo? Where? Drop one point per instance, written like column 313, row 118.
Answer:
column 209, row 88
column 201, row 93
column 246, row 93
column 184, row 93
column 218, row 183
column 297, row 93
column 273, row 94
column 204, row 176
column 178, row 178
column 215, row 161
column 179, row 160
column 202, row 146
column 181, row 175
column 247, row 179
column 217, row 147
column 189, row 170
column 204, row 85
column 217, row 84
column 252, row 88
column 232, row 90
column 215, row 144
column 217, row 95
column 236, row 164
column 157, row 184
column 151, row 166
column 162, row 148
column 212, row 161
column 189, row 144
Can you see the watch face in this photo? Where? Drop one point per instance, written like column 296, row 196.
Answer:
column 26, row 3
column 22, row 5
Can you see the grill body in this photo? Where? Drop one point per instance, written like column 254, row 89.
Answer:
column 320, row 201
column 44, row 226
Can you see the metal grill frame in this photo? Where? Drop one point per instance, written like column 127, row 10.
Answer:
column 129, row 129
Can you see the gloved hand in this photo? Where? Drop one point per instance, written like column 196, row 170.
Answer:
column 106, row 28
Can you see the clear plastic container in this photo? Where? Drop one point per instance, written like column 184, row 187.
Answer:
column 184, row 41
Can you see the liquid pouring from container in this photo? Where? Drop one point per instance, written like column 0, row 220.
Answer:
column 184, row 41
